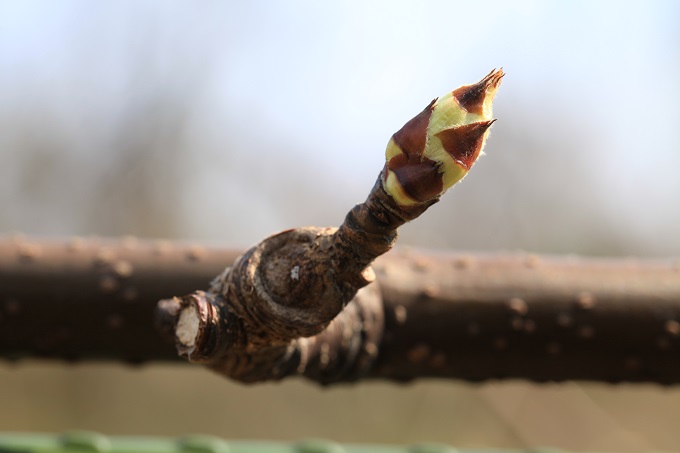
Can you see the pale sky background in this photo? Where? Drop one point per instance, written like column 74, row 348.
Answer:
column 281, row 112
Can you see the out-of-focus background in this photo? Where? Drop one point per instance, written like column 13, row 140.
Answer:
column 226, row 121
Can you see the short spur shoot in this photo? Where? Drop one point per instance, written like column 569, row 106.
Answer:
column 294, row 304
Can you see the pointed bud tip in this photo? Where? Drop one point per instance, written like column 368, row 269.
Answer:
column 474, row 97
column 493, row 79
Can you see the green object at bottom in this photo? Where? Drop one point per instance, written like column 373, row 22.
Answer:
column 87, row 442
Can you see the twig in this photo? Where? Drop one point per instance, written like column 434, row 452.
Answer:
column 282, row 302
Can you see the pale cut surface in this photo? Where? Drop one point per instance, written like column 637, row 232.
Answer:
column 187, row 327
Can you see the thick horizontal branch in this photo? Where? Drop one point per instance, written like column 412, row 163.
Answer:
column 530, row 317
column 92, row 298
column 455, row 316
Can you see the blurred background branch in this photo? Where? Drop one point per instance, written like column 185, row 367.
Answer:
column 473, row 317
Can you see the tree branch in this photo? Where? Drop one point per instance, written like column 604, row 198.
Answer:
column 92, row 298
column 300, row 303
column 530, row 317
column 457, row 316
column 279, row 309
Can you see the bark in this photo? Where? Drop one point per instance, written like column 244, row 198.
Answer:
column 529, row 317
column 454, row 316
column 264, row 317
column 92, row 298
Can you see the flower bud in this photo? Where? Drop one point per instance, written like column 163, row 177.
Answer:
column 437, row 148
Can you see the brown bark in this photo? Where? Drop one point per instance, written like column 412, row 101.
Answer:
column 529, row 317
column 91, row 298
column 250, row 323
column 467, row 317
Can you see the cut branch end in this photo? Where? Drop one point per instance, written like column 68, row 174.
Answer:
column 187, row 328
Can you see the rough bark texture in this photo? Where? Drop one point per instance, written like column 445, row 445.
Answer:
column 458, row 316
column 250, row 323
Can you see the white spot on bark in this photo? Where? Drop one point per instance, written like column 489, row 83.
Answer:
column 295, row 273
column 400, row 314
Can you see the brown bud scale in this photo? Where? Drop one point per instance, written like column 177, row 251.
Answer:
column 471, row 97
column 418, row 176
column 412, row 137
column 464, row 143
